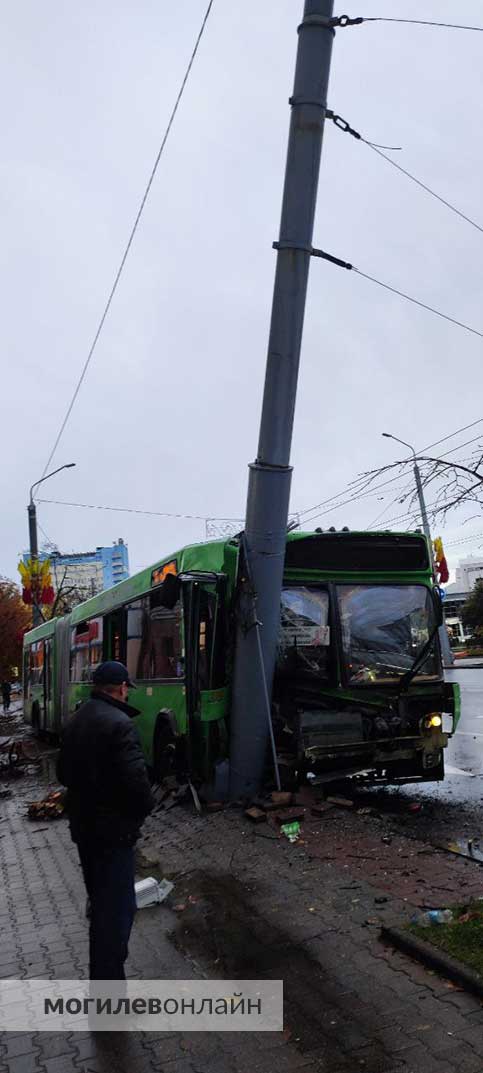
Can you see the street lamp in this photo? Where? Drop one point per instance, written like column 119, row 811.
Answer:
column 448, row 658
column 34, row 548
column 419, row 486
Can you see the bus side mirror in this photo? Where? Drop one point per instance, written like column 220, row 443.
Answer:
column 438, row 607
column 169, row 591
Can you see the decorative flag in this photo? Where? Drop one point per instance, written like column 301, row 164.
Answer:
column 36, row 582
column 440, row 561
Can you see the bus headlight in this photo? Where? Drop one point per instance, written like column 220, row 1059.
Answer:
column 433, row 721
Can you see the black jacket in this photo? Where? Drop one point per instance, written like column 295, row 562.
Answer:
column 101, row 763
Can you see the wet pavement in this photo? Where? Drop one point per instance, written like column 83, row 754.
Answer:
column 247, row 903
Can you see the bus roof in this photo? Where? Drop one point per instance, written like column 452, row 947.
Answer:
column 218, row 556
column 353, row 552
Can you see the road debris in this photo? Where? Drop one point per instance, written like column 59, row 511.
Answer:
column 281, row 798
column 256, row 815
column 289, row 815
column 50, row 807
column 466, row 848
column 291, row 830
column 433, row 916
column 150, row 892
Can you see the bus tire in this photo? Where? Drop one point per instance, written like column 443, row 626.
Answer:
column 164, row 751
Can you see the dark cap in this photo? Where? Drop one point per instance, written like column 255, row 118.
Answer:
column 111, row 673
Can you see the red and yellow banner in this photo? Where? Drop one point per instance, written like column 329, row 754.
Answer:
column 440, row 561
column 36, row 582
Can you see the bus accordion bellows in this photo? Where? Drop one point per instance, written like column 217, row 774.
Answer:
column 358, row 685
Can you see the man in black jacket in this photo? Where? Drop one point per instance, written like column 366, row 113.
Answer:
column 108, row 797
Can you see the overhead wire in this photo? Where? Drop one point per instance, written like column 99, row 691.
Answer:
column 46, row 535
column 452, row 435
column 397, row 499
column 423, row 22
column 346, row 128
column 424, row 186
column 373, row 488
column 464, row 540
column 417, row 302
column 135, row 510
column 131, row 236
column 392, row 480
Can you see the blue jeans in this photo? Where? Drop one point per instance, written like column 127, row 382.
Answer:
column 109, row 878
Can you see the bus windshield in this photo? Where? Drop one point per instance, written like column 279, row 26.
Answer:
column 304, row 632
column 384, row 628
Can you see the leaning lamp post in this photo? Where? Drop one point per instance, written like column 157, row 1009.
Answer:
column 33, row 541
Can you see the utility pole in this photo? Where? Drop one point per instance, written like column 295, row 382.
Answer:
column 34, row 555
column 270, row 475
column 448, row 658
column 33, row 539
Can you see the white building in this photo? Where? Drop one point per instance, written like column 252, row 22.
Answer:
column 468, row 572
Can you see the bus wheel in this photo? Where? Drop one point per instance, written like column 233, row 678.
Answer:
column 164, row 751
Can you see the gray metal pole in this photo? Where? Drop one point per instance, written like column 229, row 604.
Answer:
column 448, row 658
column 422, row 504
column 270, row 475
column 34, row 555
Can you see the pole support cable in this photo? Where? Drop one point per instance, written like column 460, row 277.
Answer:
column 394, row 290
column 344, row 126
column 341, row 21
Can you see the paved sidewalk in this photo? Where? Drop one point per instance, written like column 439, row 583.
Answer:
column 246, row 904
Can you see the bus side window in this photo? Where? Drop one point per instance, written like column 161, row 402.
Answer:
column 36, row 663
column 95, row 643
column 85, row 649
column 79, row 653
column 160, row 640
column 114, row 628
column 134, row 636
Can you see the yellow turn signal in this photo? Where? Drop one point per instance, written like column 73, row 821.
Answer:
column 433, row 720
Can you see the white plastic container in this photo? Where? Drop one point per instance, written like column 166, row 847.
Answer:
column 150, row 892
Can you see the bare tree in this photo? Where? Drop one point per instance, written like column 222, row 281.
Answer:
column 448, row 483
column 66, row 598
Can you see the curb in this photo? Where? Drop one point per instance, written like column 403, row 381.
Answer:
column 458, row 666
column 433, row 958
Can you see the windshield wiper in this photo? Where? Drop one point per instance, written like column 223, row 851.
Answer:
column 420, row 658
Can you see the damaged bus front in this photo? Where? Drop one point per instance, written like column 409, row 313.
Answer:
column 359, row 685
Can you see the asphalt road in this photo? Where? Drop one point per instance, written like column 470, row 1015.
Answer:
column 452, row 811
column 464, row 758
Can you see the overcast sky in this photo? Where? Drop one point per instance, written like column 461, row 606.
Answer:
column 167, row 418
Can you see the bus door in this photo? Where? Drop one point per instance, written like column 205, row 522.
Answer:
column 204, row 616
column 114, row 636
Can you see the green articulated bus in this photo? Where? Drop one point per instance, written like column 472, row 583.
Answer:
column 358, row 686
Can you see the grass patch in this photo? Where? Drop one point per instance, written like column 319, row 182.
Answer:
column 462, row 938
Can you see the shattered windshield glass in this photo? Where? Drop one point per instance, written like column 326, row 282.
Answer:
column 384, row 628
column 304, row 631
